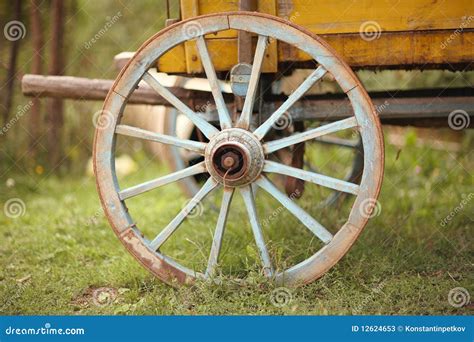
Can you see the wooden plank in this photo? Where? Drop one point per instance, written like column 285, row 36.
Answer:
column 78, row 88
column 427, row 49
column 174, row 59
column 192, row 8
column 416, row 48
column 324, row 17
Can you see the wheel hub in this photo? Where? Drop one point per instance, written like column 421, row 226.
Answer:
column 234, row 157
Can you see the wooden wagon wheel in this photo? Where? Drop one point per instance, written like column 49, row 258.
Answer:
column 235, row 157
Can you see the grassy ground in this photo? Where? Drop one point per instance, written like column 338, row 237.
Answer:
column 56, row 257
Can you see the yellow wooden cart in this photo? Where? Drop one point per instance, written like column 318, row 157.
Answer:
column 247, row 136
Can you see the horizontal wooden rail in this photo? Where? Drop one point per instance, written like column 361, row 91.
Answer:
column 78, row 88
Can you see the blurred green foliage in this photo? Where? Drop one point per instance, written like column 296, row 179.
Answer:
column 138, row 21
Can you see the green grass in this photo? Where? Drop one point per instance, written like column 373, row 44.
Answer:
column 54, row 257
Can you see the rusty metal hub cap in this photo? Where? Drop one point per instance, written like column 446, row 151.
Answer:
column 237, row 156
column 234, row 157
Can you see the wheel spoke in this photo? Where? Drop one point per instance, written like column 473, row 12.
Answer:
column 219, row 232
column 176, row 222
column 310, row 134
column 135, row 132
column 247, row 110
column 295, row 96
column 202, row 124
column 224, row 117
column 155, row 183
column 338, row 141
column 314, row 226
column 313, row 177
column 249, row 201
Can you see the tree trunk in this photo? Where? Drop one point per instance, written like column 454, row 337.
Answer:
column 55, row 106
column 36, row 68
column 15, row 46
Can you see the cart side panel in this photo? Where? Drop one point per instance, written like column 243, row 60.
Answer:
column 408, row 34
